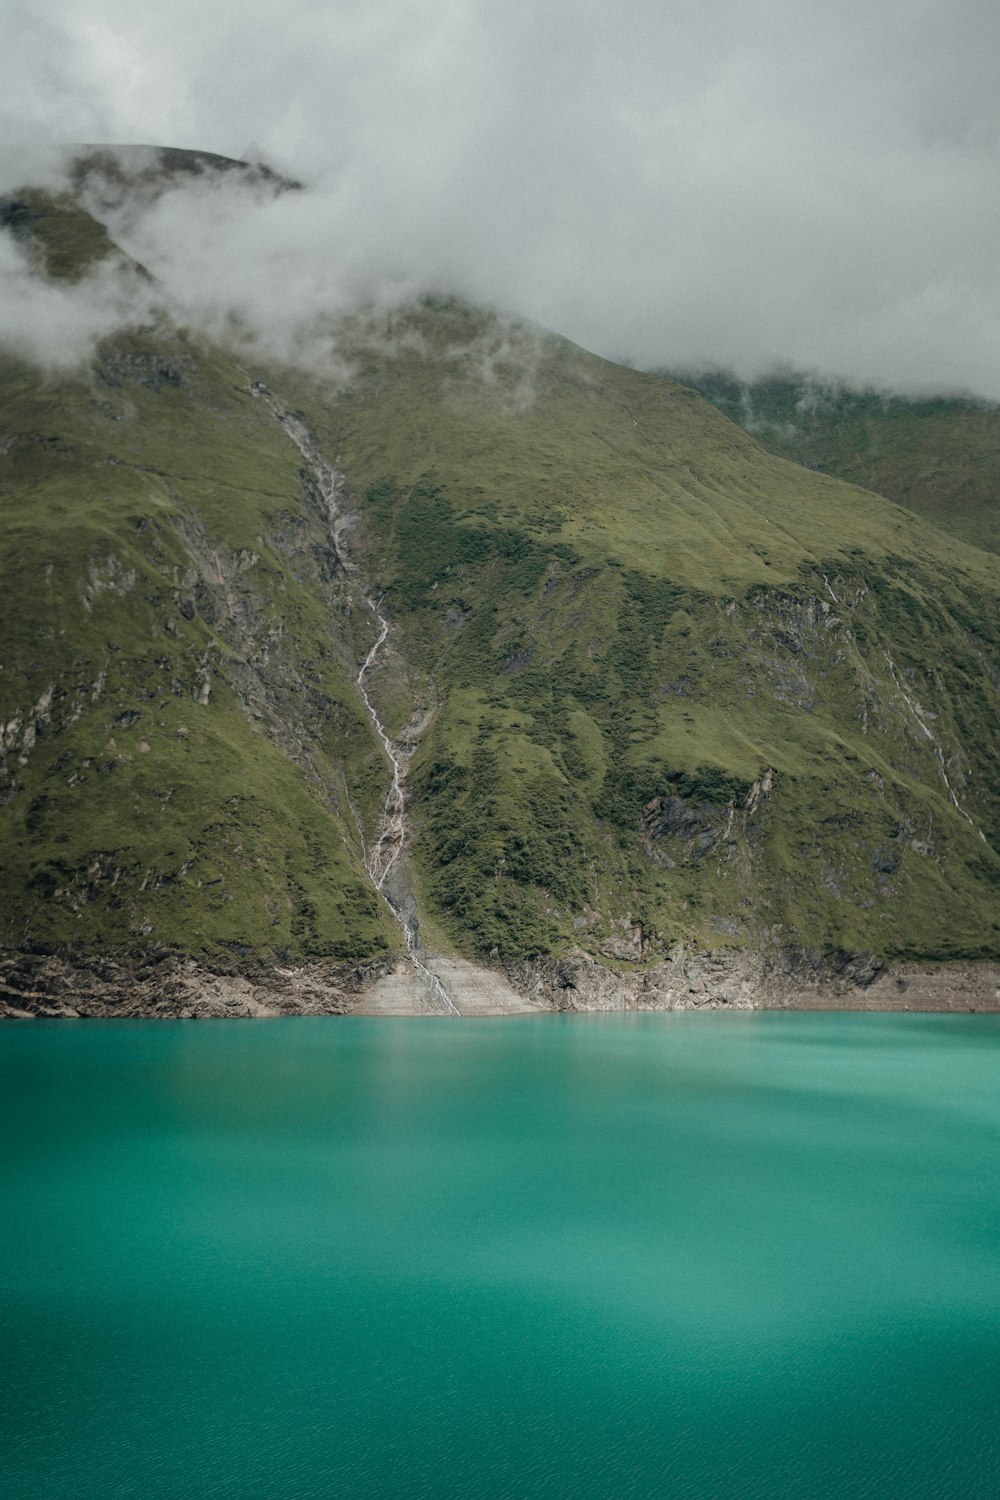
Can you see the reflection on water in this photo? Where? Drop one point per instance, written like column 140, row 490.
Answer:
column 710, row 1256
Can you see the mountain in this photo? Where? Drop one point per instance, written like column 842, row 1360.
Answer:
column 662, row 703
column 937, row 455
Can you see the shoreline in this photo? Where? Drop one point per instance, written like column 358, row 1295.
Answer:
column 162, row 986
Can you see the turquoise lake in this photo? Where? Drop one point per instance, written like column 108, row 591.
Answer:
column 711, row 1257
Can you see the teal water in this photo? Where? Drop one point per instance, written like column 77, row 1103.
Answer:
column 704, row 1257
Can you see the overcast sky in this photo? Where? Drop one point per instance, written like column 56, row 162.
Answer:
column 670, row 181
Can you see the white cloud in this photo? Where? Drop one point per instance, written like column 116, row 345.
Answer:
column 57, row 324
column 673, row 183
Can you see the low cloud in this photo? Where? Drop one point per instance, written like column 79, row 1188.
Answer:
column 676, row 185
column 57, row 325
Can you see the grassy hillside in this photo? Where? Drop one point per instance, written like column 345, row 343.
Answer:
column 940, row 457
column 661, row 683
column 681, row 687
column 177, row 693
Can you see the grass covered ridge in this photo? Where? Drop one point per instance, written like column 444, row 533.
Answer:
column 938, row 456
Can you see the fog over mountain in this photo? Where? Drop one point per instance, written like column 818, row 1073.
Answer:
column 722, row 183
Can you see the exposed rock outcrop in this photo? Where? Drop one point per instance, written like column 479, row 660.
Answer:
column 748, row 979
column 164, row 986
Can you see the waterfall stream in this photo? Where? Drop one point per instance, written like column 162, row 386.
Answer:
column 392, row 834
column 915, row 710
column 380, row 860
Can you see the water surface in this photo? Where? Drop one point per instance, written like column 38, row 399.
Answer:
column 710, row 1257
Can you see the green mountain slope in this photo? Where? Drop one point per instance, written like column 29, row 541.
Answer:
column 178, row 698
column 938, row 456
column 659, row 683
column 682, row 688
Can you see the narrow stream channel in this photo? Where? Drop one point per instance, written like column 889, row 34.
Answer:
column 392, row 835
column 380, row 860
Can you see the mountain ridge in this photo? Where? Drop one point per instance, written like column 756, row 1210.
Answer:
column 938, row 456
